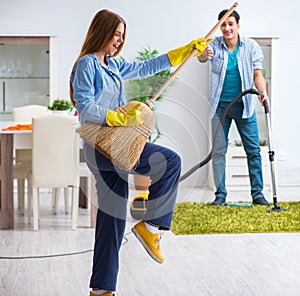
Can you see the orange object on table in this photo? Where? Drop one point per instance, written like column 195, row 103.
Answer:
column 18, row 127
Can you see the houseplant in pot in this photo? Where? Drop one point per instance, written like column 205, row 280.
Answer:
column 142, row 90
column 60, row 106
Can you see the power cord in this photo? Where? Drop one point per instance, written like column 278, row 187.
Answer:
column 183, row 177
column 46, row 256
column 56, row 255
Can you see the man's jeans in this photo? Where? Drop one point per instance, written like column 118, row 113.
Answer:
column 248, row 130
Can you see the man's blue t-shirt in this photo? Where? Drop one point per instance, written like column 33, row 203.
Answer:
column 232, row 84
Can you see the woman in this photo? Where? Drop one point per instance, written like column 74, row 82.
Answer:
column 96, row 89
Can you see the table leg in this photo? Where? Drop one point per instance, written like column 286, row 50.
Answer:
column 7, row 190
column 83, row 202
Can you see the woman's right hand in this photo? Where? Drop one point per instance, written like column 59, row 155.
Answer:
column 131, row 118
column 180, row 54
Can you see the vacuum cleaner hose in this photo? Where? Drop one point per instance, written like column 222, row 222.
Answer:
column 138, row 205
column 208, row 158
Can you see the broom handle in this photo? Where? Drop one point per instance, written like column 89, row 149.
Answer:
column 192, row 54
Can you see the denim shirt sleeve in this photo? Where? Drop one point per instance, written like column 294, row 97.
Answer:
column 141, row 69
column 84, row 89
column 97, row 89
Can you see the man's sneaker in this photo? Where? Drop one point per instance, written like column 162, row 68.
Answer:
column 219, row 201
column 149, row 241
column 261, row 201
column 105, row 294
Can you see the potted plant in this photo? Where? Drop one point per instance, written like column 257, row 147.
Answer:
column 142, row 90
column 60, row 105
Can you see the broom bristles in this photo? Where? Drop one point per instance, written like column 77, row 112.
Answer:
column 122, row 145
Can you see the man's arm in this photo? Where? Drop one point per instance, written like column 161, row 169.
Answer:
column 208, row 52
column 260, row 85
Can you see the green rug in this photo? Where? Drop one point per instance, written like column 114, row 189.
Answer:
column 195, row 218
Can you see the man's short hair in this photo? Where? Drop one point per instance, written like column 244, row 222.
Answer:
column 234, row 14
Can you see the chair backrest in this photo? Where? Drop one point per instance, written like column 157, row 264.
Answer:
column 25, row 113
column 55, row 151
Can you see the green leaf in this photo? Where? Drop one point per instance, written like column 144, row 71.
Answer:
column 144, row 89
column 60, row 105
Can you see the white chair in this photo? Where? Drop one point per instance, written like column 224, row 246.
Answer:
column 55, row 160
column 84, row 172
column 23, row 156
column 25, row 113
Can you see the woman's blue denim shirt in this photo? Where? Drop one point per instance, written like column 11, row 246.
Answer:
column 97, row 88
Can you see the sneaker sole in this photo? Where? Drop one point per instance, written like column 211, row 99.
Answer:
column 145, row 246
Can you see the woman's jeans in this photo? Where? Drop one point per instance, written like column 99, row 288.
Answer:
column 163, row 166
column 248, row 130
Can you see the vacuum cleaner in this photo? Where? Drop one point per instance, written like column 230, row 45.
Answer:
column 276, row 207
column 138, row 205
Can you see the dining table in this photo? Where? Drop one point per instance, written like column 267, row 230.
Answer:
column 11, row 140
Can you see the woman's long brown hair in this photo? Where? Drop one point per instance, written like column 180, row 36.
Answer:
column 100, row 33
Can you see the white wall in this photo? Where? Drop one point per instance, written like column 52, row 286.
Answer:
column 164, row 25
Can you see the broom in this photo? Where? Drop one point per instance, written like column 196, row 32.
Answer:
column 123, row 145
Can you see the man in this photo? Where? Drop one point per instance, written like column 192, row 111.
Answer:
column 236, row 65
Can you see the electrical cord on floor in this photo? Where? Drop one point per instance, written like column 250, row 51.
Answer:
column 57, row 255
column 183, row 177
column 46, row 256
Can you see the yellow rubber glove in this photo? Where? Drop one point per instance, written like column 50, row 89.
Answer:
column 178, row 55
column 131, row 118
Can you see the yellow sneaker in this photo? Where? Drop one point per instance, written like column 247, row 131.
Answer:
column 149, row 241
column 105, row 294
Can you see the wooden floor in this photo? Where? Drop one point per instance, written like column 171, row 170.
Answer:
column 214, row 265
